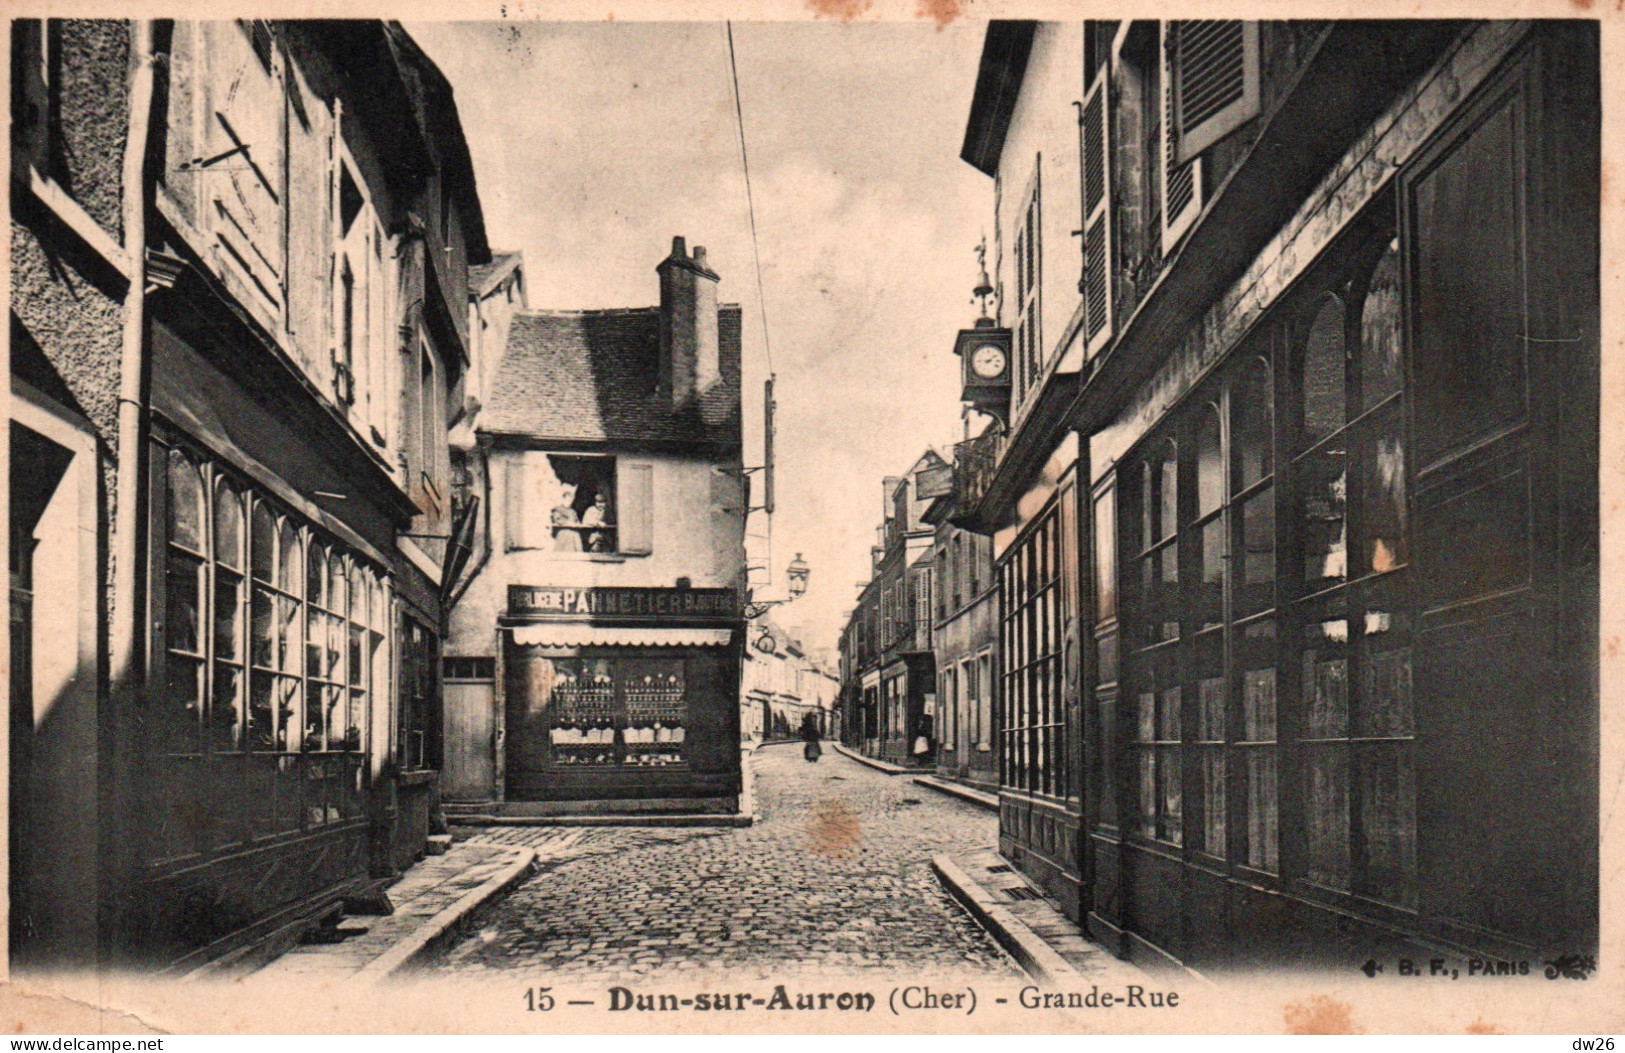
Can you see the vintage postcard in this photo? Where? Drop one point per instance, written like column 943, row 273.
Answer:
column 855, row 516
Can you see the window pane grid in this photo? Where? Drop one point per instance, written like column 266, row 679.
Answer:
column 234, row 627
column 1359, row 784
column 1034, row 725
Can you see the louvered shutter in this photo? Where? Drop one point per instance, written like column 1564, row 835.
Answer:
column 244, row 196
column 514, row 485
column 1097, row 206
column 634, row 492
column 1181, row 183
column 1216, row 83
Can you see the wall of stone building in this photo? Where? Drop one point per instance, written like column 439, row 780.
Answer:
column 65, row 342
column 72, row 331
column 92, row 110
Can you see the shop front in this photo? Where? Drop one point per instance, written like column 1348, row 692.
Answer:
column 1039, row 729
column 259, row 743
column 621, row 699
column 1344, row 573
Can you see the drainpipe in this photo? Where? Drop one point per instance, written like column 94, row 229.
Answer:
column 127, row 672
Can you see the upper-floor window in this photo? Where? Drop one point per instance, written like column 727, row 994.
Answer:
column 1209, row 87
column 259, row 168
column 568, row 504
column 359, row 349
column 1029, row 263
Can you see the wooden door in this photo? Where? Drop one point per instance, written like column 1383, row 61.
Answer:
column 470, row 772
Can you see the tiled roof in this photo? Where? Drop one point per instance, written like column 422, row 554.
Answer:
column 485, row 277
column 592, row 376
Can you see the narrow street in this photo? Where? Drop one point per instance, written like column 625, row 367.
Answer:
column 834, row 875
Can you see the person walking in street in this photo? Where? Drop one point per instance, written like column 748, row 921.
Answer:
column 809, row 735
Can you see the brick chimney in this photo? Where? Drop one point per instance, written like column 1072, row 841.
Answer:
column 689, row 355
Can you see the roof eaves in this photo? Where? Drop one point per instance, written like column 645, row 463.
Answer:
column 1005, row 50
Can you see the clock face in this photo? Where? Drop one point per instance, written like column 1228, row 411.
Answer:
column 987, row 361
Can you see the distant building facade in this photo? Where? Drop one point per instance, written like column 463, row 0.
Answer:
column 888, row 675
column 781, row 685
column 964, row 647
column 605, row 623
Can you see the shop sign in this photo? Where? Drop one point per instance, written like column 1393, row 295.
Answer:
column 621, row 602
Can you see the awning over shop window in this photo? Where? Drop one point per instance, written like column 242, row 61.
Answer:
column 611, row 636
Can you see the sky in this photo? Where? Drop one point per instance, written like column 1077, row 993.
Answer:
column 595, row 143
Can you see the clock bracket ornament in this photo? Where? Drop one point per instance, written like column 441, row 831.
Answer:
column 984, row 356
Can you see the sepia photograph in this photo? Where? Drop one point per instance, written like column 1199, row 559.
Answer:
column 857, row 516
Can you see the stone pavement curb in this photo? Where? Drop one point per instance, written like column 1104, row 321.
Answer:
column 433, row 932
column 679, row 821
column 747, row 786
column 1042, row 962
column 877, row 765
column 964, row 793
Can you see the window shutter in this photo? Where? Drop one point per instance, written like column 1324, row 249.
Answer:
column 245, row 189
column 531, row 495
column 1097, row 206
column 1217, row 82
column 634, row 489
column 515, row 488
column 1181, row 183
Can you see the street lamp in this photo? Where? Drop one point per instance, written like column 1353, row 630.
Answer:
column 796, row 574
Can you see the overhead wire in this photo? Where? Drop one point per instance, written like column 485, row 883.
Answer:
column 756, row 256
column 750, row 198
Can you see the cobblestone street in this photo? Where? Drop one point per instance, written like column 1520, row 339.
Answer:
column 833, row 876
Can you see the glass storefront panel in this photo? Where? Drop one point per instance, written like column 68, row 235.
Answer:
column 614, row 710
column 243, row 647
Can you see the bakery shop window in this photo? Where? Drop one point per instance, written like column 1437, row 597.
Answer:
column 615, row 710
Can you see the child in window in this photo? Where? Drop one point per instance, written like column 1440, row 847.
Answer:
column 597, row 515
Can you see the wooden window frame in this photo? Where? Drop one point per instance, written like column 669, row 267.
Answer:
column 1033, row 728
column 325, row 778
column 1174, row 225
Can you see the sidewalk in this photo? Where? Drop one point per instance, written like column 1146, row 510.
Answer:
column 877, row 765
column 968, row 794
column 430, row 900
column 1038, row 936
